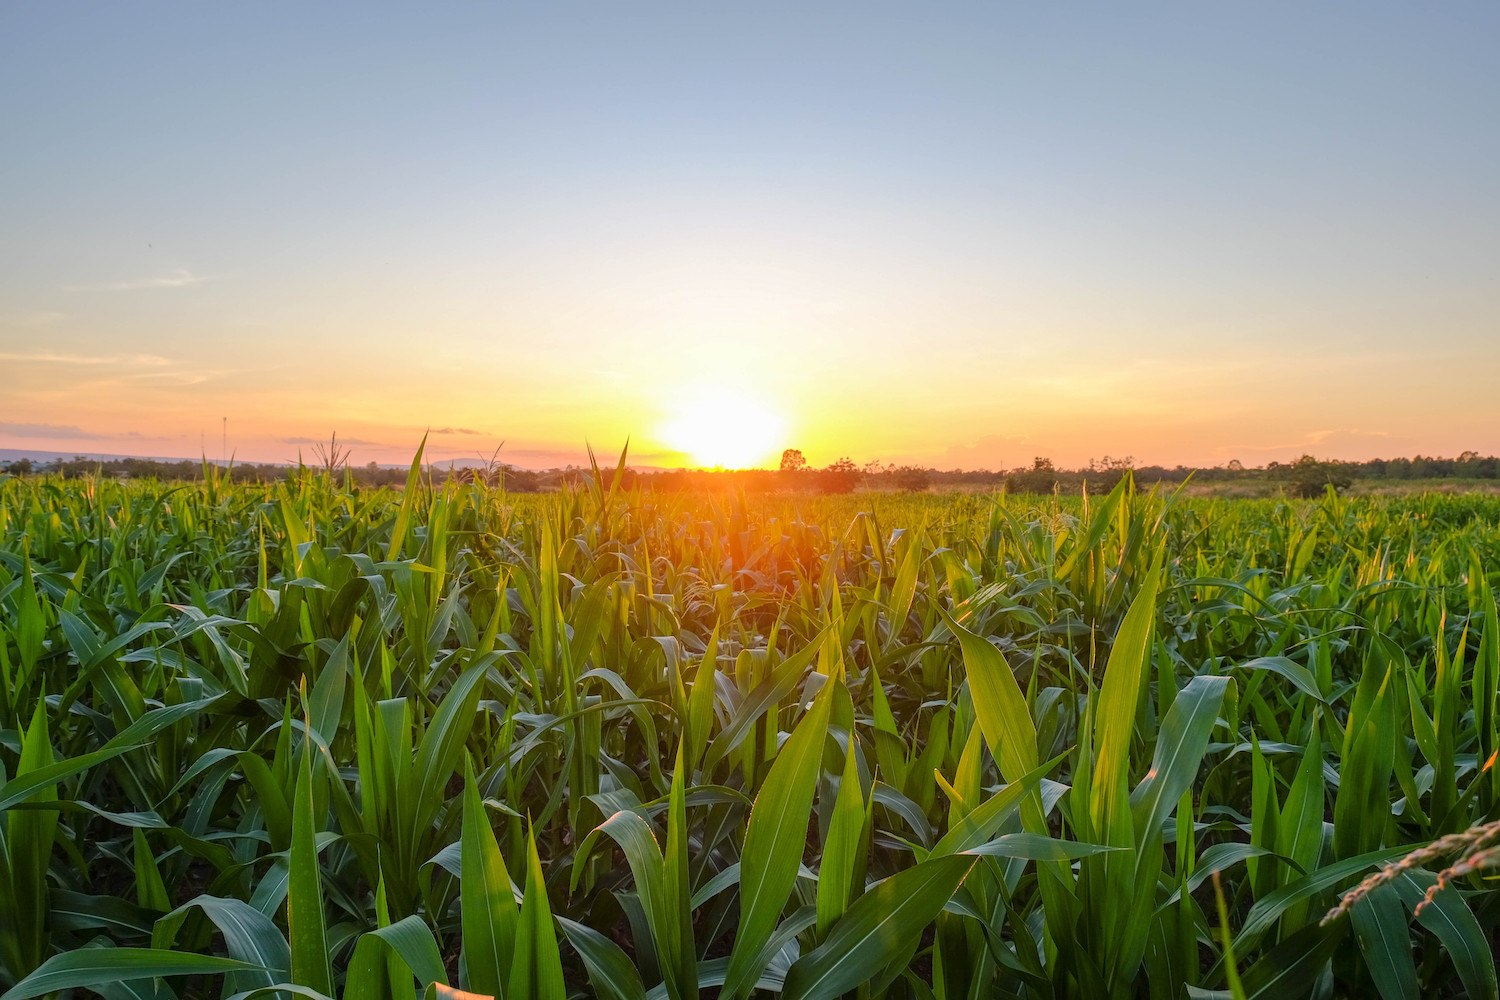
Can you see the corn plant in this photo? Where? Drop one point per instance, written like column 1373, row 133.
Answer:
column 309, row 739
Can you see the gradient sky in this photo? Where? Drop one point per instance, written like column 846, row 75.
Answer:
column 956, row 234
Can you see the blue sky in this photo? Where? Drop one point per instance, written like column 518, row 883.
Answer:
column 958, row 234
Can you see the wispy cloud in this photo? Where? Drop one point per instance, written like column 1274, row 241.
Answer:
column 990, row 451
column 34, row 319
column 457, row 430
column 1343, row 441
column 47, row 431
column 55, row 358
column 342, row 441
column 178, row 377
column 179, row 278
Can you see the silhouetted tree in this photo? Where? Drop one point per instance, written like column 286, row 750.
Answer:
column 1040, row 478
column 840, row 477
column 912, row 478
column 1310, row 477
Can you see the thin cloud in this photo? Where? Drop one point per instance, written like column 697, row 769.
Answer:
column 50, row 358
column 458, row 430
column 180, row 278
column 349, row 441
column 177, row 377
column 47, row 431
column 1343, row 441
column 990, row 451
column 36, row 319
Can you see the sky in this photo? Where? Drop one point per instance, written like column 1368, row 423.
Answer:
column 958, row 235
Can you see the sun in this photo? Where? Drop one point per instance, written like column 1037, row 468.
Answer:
column 725, row 428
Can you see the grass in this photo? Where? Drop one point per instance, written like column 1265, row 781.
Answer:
column 315, row 740
column 1251, row 488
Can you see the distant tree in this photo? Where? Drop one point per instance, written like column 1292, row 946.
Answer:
column 521, row 480
column 1309, row 477
column 1040, row 478
column 1105, row 473
column 20, row 467
column 911, row 478
column 792, row 460
column 840, row 477
column 1235, row 465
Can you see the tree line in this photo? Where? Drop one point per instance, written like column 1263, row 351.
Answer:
column 1307, row 476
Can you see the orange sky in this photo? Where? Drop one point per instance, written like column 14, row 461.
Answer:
column 961, row 241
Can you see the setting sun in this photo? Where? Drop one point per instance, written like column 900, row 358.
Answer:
column 729, row 428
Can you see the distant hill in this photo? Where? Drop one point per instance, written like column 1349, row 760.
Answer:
column 15, row 454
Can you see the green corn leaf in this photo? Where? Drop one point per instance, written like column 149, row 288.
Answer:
column 271, row 798
column 408, row 504
column 1264, row 818
column 679, row 959
column 249, row 936
column 890, row 750
column 1379, row 923
column 487, row 900
column 774, row 840
column 879, row 924
column 412, row 941
column 1451, row 920
column 440, row 751
column 1293, row 671
column 1121, row 930
column 150, row 890
column 306, row 931
column 1114, row 724
column 326, row 703
column 1097, row 528
column 1300, row 833
column 28, row 785
column 1035, row 847
column 1267, row 911
column 1180, row 746
column 279, row 992
column 845, row 834
column 701, row 701
column 28, row 842
column 765, row 696
column 980, row 823
column 999, row 704
column 90, row 967
column 536, row 968
column 1291, row 968
column 1217, row 858
column 904, row 589
column 611, row 972
column 1361, row 808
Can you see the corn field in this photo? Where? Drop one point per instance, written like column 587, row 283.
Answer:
column 308, row 739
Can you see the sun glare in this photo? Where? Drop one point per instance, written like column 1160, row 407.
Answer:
column 730, row 429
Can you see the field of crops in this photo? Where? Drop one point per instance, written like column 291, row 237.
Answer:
column 309, row 739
